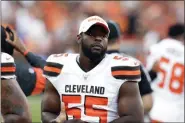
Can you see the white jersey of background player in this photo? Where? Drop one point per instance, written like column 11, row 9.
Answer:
column 167, row 59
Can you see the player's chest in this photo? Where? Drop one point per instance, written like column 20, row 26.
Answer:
column 99, row 84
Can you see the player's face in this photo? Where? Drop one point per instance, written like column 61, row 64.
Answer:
column 94, row 42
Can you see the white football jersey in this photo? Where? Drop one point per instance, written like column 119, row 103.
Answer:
column 169, row 85
column 7, row 66
column 91, row 96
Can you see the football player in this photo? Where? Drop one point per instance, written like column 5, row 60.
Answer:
column 93, row 86
column 166, row 58
column 14, row 105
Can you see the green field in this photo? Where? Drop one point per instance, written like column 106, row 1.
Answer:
column 35, row 107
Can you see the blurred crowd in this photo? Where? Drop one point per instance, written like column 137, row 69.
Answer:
column 48, row 27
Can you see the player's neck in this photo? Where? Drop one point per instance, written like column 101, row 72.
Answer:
column 86, row 64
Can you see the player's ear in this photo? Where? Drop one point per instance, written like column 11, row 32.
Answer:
column 79, row 38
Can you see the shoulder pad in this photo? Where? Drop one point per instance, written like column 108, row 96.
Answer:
column 124, row 60
column 54, row 65
column 125, row 68
column 156, row 48
column 7, row 66
column 57, row 57
column 6, row 58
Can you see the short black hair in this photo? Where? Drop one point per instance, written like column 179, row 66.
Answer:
column 176, row 30
column 5, row 46
column 114, row 31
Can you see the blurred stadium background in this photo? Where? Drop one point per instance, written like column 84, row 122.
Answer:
column 48, row 27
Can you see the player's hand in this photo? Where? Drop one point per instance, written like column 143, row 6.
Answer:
column 62, row 116
column 74, row 121
column 55, row 121
column 16, row 43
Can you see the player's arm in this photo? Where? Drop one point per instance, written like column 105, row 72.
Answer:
column 14, row 41
column 152, row 61
column 130, row 107
column 14, row 105
column 36, row 81
column 147, row 102
column 145, row 90
column 50, row 106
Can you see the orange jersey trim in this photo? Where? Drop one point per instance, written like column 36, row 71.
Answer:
column 52, row 69
column 40, row 82
column 7, row 69
column 123, row 72
column 155, row 121
column 25, row 53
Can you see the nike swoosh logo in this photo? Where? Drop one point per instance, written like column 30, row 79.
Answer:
column 8, row 58
column 135, row 63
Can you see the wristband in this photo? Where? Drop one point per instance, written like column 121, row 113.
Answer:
column 25, row 53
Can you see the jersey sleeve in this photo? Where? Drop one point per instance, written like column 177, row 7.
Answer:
column 127, row 69
column 144, row 84
column 7, row 66
column 153, row 56
column 53, row 68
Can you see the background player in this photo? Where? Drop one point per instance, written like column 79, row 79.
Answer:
column 93, row 86
column 14, row 105
column 167, row 60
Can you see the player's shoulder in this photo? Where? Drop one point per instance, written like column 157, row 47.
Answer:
column 56, row 62
column 6, row 58
column 7, row 66
column 125, row 67
column 60, row 58
column 176, row 44
column 156, row 47
column 165, row 43
column 123, row 60
column 169, row 46
column 56, row 57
